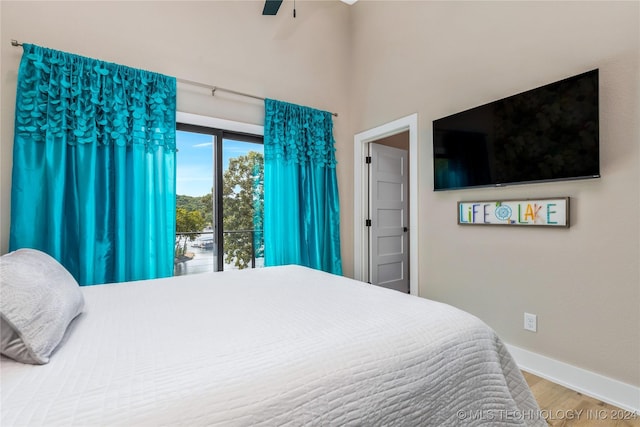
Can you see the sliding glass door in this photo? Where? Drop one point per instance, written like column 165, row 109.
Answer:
column 219, row 207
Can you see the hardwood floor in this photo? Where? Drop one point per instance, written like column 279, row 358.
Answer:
column 564, row 407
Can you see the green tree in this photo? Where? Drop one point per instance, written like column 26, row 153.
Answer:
column 203, row 204
column 187, row 221
column 243, row 201
column 207, row 208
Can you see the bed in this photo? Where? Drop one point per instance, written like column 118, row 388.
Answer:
column 279, row 346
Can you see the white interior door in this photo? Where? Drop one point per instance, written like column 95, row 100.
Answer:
column 388, row 233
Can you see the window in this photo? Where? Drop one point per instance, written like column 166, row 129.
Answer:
column 219, row 202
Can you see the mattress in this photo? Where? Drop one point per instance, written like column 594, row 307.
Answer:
column 279, row 346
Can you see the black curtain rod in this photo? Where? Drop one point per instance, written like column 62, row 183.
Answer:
column 191, row 82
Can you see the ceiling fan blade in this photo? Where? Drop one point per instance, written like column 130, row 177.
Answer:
column 271, row 7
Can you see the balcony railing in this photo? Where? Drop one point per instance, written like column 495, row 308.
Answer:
column 200, row 254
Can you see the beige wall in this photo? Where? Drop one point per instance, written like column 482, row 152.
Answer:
column 439, row 58
column 225, row 43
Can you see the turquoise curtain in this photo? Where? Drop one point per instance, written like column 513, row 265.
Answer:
column 94, row 166
column 301, row 206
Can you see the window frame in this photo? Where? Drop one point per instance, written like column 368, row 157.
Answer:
column 219, row 135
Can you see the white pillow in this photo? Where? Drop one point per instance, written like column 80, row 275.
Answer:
column 38, row 300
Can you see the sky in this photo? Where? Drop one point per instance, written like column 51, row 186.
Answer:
column 194, row 160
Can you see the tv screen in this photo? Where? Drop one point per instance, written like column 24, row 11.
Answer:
column 544, row 134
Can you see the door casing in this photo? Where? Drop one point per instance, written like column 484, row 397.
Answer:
column 360, row 195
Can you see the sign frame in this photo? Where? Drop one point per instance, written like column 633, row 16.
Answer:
column 515, row 213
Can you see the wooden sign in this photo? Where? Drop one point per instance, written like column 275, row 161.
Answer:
column 527, row 212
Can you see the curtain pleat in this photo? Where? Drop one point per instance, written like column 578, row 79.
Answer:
column 301, row 204
column 93, row 180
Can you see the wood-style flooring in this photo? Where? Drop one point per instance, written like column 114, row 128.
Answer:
column 563, row 407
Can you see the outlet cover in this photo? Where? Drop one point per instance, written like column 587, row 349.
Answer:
column 530, row 322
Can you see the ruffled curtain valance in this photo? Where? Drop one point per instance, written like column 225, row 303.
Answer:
column 93, row 181
column 301, row 206
column 90, row 101
column 299, row 134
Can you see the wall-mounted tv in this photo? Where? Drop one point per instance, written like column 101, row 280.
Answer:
column 544, row 134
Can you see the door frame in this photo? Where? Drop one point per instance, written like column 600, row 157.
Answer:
column 217, row 128
column 360, row 195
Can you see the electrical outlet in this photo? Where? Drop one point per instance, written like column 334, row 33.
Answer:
column 530, row 322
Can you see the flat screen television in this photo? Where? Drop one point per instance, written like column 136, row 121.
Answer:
column 544, row 134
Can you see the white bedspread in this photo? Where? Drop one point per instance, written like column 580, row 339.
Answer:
column 281, row 346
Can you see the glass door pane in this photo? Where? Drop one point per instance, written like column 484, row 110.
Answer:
column 242, row 204
column 195, row 249
column 219, row 203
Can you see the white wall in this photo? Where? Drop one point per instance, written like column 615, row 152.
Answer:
column 438, row 58
column 224, row 43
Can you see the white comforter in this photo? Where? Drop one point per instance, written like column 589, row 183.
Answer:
column 281, row 346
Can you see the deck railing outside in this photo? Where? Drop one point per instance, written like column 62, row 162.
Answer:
column 199, row 255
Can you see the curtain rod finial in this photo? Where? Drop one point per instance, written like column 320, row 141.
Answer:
column 14, row 42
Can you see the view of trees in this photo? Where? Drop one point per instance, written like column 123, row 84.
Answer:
column 187, row 221
column 202, row 204
column 243, row 201
column 242, row 205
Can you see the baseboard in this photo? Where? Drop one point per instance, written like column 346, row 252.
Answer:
column 614, row 392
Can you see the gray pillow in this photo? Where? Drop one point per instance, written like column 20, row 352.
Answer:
column 38, row 300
